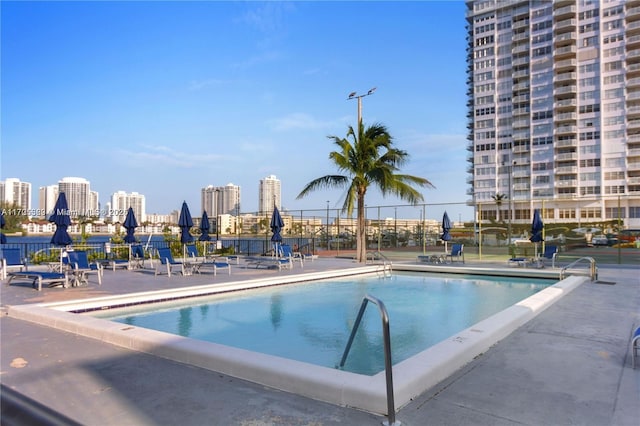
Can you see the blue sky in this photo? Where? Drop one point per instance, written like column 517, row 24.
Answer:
column 164, row 98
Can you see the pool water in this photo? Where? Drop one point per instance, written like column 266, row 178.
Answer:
column 311, row 322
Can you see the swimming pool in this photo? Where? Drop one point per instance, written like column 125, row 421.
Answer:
column 411, row 377
column 312, row 322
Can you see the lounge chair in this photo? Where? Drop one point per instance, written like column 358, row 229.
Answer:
column 457, row 253
column 40, row 278
column 213, row 264
column 137, row 257
column 269, row 262
column 287, row 253
column 167, row 263
column 11, row 260
column 82, row 268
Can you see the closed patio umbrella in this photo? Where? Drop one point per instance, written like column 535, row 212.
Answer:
column 61, row 218
column 204, row 227
column 130, row 224
column 185, row 223
column 276, row 226
column 537, row 226
column 446, row 227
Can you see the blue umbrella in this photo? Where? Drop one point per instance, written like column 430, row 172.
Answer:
column 3, row 238
column 536, row 227
column 446, row 227
column 276, row 226
column 204, row 227
column 185, row 223
column 61, row 218
column 130, row 224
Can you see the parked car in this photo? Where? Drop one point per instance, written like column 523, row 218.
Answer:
column 600, row 240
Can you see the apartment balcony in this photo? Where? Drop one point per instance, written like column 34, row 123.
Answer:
column 565, row 52
column 632, row 28
column 633, row 166
column 566, row 183
column 633, row 124
column 521, row 187
column 633, row 152
column 565, row 104
column 521, row 74
column 521, row 174
column 521, row 48
column 520, row 61
column 569, row 156
column 632, row 69
column 632, row 41
column 521, row 98
column 633, row 111
column 566, row 143
column 633, row 54
column 565, row 77
column 521, row 149
column 566, row 170
column 565, row 25
column 565, row 39
column 564, row 12
column 564, row 90
column 633, row 138
column 522, row 23
column 565, row 116
column 565, row 65
column 520, row 111
column 523, row 36
column 520, row 123
column 633, row 180
column 521, row 86
column 633, row 96
column 633, row 83
column 565, row 130
column 632, row 14
column 566, row 196
column 521, row 135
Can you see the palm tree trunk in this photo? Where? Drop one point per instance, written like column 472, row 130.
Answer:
column 361, row 236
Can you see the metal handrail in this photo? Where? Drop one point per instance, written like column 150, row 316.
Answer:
column 391, row 410
column 593, row 270
column 386, row 262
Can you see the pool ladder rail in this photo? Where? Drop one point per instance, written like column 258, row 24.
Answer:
column 593, row 269
column 376, row 256
column 388, row 366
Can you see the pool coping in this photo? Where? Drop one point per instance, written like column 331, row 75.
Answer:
column 411, row 377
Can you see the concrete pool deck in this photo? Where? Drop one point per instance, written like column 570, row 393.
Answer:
column 570, row 364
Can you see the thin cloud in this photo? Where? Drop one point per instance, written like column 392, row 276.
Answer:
column 167, row 156
column 196, row 85
column 298, row 121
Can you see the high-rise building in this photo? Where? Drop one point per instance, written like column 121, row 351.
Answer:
column 47, row 199
column 17, row 194
column 81, row 200
column 120, row 203
column 554, row 109
column 269, row 195
column 219, row 200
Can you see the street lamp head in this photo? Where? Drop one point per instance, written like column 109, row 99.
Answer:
column 351, row 95
column 371, row 91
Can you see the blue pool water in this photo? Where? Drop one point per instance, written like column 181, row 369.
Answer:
column 311, row 322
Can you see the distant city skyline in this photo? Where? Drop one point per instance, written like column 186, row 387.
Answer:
column 234, row 92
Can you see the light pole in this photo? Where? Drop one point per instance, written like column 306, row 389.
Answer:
column 354, row 95
column 510, row 171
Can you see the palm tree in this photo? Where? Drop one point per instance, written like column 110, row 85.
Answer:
column 367, row 158
column 498, row 198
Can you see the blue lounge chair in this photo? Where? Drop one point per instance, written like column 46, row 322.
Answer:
column 137, row 257
column 457, row 253
column 52, row 278
column 287, row 253
column 167, row 263
column 11, row 260
column 82, row 268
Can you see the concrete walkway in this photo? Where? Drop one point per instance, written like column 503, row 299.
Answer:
column 569, row 365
